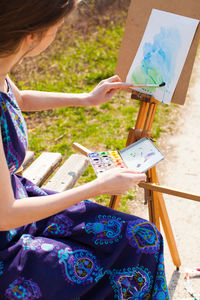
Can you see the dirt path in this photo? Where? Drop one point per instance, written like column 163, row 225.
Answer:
column 181, row 170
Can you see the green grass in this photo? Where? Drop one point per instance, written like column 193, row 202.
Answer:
column 76, row 63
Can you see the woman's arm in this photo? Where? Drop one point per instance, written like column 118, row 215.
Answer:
column 36, row 100
column 15, row 213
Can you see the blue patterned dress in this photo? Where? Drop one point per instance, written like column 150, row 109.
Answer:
column 87, row 252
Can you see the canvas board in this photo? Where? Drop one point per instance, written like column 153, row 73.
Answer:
column 162, row 53
column 136, row 23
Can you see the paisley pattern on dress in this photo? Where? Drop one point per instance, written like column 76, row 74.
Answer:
column 160, row 291
column 106, row 229
column 80, row 266
column 31, row 243
column 143, row 235
column 20, row 124
column 58, row 226
column 22, row 288
column 14, row 139
column 34, row 243
column 132, row 283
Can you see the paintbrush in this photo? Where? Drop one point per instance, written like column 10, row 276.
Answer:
column 148, row 85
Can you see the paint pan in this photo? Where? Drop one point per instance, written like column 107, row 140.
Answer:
column 140, row 157
column 102, row 161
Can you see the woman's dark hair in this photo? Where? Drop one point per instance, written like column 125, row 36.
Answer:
column 21, row 17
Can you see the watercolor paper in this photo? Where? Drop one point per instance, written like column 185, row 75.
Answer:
column 162, row 53
column 141, row 156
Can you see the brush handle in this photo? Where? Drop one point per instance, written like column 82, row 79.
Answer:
column 144, row 85
column 148, row 85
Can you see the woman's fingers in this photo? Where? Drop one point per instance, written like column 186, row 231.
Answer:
column 114, row 78
column 110, row 88
column 119, row 181
column 135, row 177
column 106, row 89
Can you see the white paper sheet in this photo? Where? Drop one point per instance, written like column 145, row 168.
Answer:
column 141, row 156
column 162, row 53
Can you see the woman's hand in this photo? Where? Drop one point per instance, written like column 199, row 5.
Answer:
column 118, row 181
column 105, row 90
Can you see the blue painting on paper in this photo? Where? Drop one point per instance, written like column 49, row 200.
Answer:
column 162, row 53
column 159, row 59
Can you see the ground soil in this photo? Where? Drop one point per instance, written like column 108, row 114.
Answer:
column 181, row 170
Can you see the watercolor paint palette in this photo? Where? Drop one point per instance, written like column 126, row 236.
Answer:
column 139, row 156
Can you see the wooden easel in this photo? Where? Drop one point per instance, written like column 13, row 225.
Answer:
column 153, row 190
column 138, row 15
column 156, row 205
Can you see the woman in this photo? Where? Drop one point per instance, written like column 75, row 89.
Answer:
column 61, row 246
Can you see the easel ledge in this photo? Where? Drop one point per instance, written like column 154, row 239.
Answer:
column 149, row 186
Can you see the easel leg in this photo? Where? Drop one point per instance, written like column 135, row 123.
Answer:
column 153, row 201
column 160, row 210
column 114, row 201
column 168, row 232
